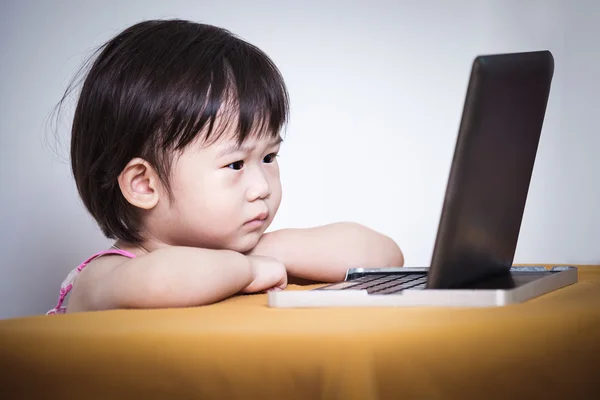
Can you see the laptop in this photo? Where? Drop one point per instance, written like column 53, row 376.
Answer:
column 472, row 261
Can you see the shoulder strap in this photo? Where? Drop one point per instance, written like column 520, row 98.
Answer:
column 67, row 284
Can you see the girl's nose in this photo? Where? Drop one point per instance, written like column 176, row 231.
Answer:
column 259, row 188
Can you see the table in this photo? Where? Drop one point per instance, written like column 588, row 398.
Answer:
column 548, row 347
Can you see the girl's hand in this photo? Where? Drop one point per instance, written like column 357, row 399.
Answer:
column 268, row 273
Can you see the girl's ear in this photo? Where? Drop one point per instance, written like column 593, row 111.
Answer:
column 139, row 184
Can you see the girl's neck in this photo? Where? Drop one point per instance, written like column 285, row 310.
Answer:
column 137, row 249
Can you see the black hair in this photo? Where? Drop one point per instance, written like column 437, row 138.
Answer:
column 152, row 90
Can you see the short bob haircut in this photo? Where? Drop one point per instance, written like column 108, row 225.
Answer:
column 151, row 91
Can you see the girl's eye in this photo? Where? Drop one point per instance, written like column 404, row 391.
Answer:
column 236, row 165
column 269, row 158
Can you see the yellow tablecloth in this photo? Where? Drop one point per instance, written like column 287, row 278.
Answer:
column 548, row 347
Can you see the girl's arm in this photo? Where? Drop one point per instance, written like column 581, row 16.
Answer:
column 172, row 277
column 325, row 253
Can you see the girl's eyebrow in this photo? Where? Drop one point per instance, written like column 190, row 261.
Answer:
column 234, row 148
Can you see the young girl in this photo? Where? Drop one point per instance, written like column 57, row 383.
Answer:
column 174, row 152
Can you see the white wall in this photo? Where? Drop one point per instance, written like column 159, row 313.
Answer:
column 377, row 89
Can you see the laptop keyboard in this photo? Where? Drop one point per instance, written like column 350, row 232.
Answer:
column 381, row 284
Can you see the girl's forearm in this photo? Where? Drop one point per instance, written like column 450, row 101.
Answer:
column 326, row 252
column 177, row 277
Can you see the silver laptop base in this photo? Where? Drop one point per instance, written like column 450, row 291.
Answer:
column 527, row 283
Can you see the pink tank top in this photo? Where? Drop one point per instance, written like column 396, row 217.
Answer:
column 67, row 284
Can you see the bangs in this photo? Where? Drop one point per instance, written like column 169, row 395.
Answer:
column 239, row 93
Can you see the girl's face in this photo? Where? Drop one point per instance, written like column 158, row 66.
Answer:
column 224, row 196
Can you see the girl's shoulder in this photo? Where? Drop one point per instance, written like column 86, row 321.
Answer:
column 97, row 260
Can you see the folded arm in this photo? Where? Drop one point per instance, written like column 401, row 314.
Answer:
column 326, row 252
column 167, row 277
